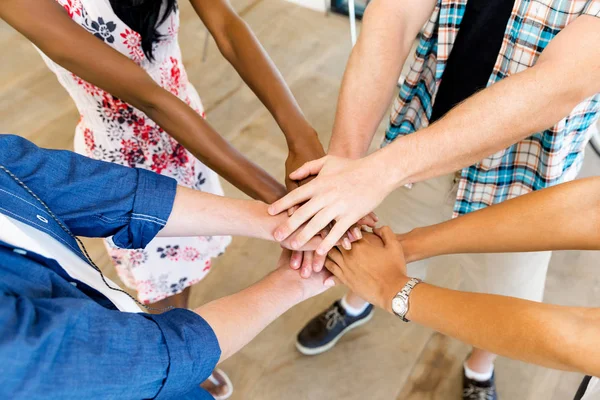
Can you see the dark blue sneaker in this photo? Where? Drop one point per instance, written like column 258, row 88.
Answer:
column 324, row 330
column 475, row 390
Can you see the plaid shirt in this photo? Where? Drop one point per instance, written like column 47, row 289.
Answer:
column 541, row 160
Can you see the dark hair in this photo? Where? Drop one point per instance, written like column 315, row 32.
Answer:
column 144, row 17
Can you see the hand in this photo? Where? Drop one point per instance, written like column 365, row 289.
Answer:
column 344, row 191
column 309, row 287
column 310, row 149
column 374, row 269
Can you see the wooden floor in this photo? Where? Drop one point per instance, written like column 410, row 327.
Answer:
column 384, row 360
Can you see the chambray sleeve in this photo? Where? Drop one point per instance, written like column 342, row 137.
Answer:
column 94, row 198
column 592, row 8
column 69, row 348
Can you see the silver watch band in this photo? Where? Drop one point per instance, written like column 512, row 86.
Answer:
column 404, row 294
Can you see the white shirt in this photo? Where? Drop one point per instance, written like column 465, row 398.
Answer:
column 25, row 237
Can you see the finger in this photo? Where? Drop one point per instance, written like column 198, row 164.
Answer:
column 333, row 267
column 297, row 196
column 314, row 226
column 296, row 259
column 386, row 235
column 303, row 214
column 310, row 168
column 335, row 255
column 318, row 262
column 292, row 210
column 368, row 220
column 307, row 264
column 336, row 233
column 356, row 233
column 331, row 282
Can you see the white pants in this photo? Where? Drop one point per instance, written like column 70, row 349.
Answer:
column 520, row 275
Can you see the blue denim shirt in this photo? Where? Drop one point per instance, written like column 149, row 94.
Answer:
column 59, row 341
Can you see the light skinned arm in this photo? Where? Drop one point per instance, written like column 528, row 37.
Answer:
column 549, row 335
column 257, row 306
column 240, row 47
column 567, row 72
column 563, row 217
column 196, row 213
column 47, row 25
column 388, row 30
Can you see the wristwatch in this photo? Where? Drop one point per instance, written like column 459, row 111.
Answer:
column 400, row 301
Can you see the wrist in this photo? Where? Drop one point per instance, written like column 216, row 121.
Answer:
column 390, row 290
column 412, row 244
column 302, row 138
column 290, row 283
column 379, row 161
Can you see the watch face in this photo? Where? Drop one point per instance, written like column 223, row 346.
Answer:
column 399, row 306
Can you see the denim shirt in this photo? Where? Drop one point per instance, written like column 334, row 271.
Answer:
column 60, row 341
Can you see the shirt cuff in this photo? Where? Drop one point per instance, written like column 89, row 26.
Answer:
column 153, row 203
column 193, row 351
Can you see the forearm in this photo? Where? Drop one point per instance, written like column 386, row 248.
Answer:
column 563, row 217
column 373, row 71
column 196, row 135
column 197, row 213
column 253, row 309
column 240, row 47
column 504, row 113
column 549, row 335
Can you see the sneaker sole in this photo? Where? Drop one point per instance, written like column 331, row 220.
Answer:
column 313, row 351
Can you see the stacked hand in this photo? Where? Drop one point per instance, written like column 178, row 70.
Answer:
column 307, row 261
column 344, row 193
column 375, row 268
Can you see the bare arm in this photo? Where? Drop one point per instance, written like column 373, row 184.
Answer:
column 239, row 46
column 563, row 217
column 550, row 335
column 46, row 24
column 197, row 213
column 388, row 31
column 567, row 72
column 259, row 305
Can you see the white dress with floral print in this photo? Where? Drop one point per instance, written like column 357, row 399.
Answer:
column 114, row 131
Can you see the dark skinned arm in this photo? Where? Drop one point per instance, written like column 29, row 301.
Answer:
column 47, row 26
column 239, row 46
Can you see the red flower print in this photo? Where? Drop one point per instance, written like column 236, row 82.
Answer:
column 207, row 265
column 132, row 153
column 88, row 87
column 190, row 254
column 88, row 136
column 133, row 41
column 159, row 162
column 180, row 155
column 171, row 76
column 72, row 7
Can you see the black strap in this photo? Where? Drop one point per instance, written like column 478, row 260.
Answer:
column 582, row 387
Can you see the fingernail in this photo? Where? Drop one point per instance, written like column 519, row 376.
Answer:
column 271, row 210
column 321, row 251
column 295, row 263
column 329, row 283
column 278, row 236
column 356, row 232
column 346, row 244
column 295, row 245
column 316, row 267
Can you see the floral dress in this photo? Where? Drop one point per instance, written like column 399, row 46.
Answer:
column 112, row 130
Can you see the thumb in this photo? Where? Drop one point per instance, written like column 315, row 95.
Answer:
column 386, row 235
column 310, row 168
column 331, row 282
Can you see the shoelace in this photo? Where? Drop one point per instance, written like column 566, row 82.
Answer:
column 79, row 242
column 333, row 317
column 478, row 393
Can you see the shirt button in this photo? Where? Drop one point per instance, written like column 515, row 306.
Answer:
column 20, row 251
column 44, row 220
column 74, row 284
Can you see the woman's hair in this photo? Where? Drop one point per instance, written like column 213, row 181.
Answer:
column 144, row 17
